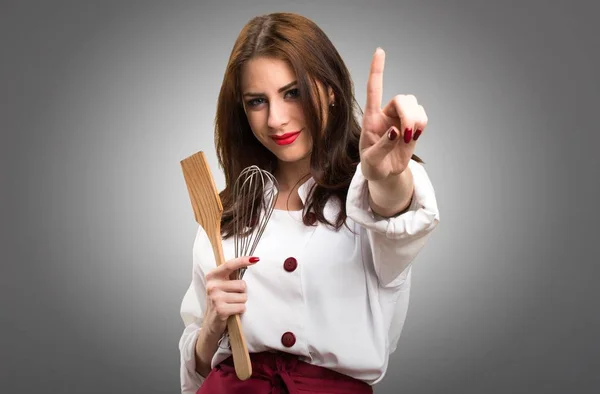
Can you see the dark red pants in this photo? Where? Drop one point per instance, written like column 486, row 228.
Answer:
column 279, row 373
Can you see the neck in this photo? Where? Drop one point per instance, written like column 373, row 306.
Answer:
column 290, row 175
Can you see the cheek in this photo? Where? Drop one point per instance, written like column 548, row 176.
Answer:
column 309, row 141
column 256, row 124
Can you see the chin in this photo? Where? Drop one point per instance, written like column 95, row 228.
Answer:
column 292, row 156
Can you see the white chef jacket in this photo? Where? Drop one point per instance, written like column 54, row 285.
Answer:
column 335, row 299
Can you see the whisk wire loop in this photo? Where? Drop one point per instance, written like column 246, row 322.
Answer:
column 255, row 192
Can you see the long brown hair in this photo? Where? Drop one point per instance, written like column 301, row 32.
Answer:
column 335, row 154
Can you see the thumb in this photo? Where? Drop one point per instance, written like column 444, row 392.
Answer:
column 384, row 146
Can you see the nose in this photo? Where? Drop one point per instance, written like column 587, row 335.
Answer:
column 278, row 114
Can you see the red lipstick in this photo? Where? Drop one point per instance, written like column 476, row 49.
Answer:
column 286, row 139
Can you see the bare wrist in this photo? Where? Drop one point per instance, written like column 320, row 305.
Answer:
column 205, row 348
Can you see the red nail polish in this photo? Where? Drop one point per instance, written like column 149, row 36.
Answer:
column 417, row 134
column 254, row 259
column 407, row 135
column 392, row 134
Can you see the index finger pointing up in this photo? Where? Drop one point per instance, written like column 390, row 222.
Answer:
column 375, row 81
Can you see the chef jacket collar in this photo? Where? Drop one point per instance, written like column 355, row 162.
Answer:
column 303, row 189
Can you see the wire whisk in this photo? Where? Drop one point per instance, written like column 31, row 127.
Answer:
column 255, row 192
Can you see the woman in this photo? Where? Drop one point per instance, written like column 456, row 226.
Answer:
column 325, row 297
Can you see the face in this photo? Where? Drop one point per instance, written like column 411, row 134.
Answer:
column 273, row 107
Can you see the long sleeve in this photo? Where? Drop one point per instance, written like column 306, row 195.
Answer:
column 191, row 312
column 393, row 243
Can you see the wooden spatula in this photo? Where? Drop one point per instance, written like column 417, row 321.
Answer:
column 207, row 211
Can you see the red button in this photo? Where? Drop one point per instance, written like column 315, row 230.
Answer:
column 312, row 218
column 290, row 264
column 288, row 339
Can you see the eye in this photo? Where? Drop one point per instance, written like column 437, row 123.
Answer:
column 295, row 92
column 253, row 102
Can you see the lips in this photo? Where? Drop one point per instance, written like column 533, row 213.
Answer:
column 285, row 139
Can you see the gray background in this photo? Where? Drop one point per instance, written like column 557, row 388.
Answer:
column 101, row 100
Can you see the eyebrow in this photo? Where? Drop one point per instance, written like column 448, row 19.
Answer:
column 289, row 85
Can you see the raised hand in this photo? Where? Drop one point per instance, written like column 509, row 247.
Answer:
column 388, row 135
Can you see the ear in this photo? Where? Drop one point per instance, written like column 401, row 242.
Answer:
column 331, row 95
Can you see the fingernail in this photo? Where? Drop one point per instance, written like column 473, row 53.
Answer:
column 254, row 259
column 392, row 133
column 417, row 134
column 407, row 135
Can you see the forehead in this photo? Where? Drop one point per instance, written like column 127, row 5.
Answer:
column 265, row 74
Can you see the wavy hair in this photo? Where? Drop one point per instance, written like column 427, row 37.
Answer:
column 309, row 52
